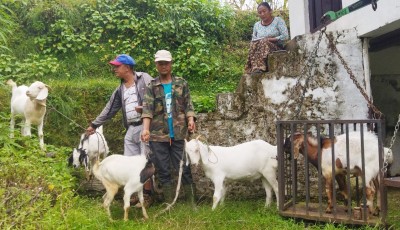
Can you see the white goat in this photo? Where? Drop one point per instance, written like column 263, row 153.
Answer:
column 250, row 160
column 371, row 159
column 31, row 103
column 128, row 171
column 90, row 148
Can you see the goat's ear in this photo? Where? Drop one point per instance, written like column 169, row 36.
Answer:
column 42, row 94
column 70, row 160
column 198, row 137
column 185, row 140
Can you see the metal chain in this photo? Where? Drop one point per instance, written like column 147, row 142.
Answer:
column 374, row 5
column 396, row 129
column 310, row 67
column 307, row 67
column 353, row 78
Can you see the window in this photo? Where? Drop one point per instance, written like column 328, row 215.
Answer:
column 317, row 8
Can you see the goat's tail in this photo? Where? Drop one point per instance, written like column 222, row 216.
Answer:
column 11, row 83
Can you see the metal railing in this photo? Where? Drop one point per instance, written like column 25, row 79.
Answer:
column 301, row 183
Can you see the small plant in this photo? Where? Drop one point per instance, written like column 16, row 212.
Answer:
column 33, row 67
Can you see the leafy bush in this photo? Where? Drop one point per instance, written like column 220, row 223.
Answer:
column 36, row 16
column 6, row 25
column 187, row 28
column 30, row 183
column 208, row 42
column 33, row 67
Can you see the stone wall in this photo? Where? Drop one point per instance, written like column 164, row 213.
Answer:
column 262, row 99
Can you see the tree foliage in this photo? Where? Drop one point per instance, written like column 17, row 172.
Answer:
column 139, row 28
column 75, row 39
column 6, row 25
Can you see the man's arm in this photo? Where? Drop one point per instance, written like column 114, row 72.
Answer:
column 145, row 136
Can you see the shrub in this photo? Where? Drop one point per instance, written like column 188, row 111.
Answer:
column 30, row 183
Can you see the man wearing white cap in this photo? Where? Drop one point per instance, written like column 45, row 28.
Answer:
column 168, row 115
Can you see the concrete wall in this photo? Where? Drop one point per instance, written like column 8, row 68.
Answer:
column 367, row 22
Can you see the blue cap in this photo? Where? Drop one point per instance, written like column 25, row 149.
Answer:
column 123, row 59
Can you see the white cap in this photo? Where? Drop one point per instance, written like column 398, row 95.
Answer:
column 163, row 55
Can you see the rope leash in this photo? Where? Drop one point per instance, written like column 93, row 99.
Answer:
column 178, row 186
column 86, row 160
column 78, row 125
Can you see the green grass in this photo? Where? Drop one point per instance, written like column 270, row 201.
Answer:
column 238, row 214
column 39, row 192
column 87, row 213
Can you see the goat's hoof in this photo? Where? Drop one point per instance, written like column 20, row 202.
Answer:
column 376, row 212
column 328, row 210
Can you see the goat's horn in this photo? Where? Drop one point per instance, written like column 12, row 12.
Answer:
column 197, row 138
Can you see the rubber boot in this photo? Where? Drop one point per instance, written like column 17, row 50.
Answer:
column 190, row 195
column 169, row 193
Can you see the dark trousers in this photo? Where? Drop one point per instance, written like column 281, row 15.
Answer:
column 163, row 155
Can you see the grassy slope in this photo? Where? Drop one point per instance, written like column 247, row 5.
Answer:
column 234, row 214
column 38, row 192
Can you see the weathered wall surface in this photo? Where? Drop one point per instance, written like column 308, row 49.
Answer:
column 260, row 100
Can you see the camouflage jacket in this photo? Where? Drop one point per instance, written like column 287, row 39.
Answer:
column 154, row 107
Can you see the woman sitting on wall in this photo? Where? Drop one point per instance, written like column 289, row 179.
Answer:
column 269, row 34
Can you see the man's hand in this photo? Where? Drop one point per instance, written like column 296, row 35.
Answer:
column 191, row 125
column 139, row 109
column 145, row 135
column 90, row 130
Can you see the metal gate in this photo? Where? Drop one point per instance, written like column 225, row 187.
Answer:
column 302, row 190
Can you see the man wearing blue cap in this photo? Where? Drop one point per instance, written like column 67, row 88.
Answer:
column 129, row 97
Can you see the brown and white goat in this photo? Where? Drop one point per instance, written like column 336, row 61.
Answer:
column 302, row 142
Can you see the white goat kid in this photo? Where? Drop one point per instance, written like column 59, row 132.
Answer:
column 250, row 160
column 90, row 148
column 128, row 171
column 31, row 103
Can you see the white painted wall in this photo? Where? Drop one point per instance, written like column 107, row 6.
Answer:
column 367, row 22
column 298, row 17
column 332, row 93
